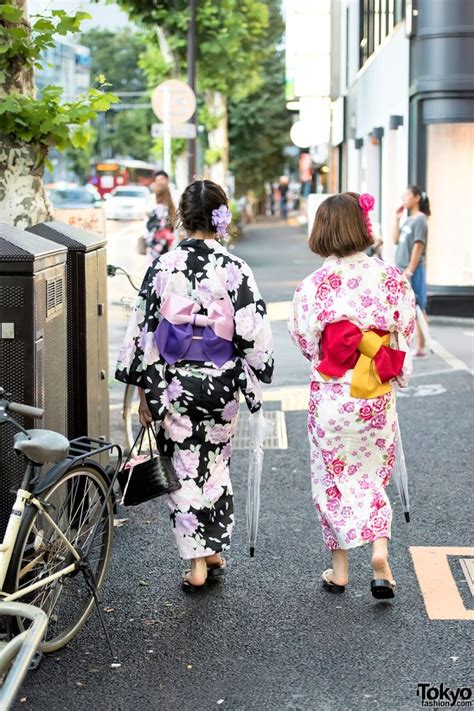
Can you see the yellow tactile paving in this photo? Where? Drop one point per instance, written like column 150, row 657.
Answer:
column 438, row 587
column 292, row 398
column 278, row 310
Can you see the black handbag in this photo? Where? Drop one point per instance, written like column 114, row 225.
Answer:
column 149, row 478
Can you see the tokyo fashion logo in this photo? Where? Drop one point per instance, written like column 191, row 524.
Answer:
column 443, row 696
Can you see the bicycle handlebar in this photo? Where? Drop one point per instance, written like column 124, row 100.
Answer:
column 112, row 271
column 27, row 410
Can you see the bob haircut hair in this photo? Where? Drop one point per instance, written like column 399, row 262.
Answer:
column 339, row 227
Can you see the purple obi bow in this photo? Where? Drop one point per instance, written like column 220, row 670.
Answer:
column 184, row 333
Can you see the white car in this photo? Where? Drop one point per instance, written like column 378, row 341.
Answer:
column 132, row 202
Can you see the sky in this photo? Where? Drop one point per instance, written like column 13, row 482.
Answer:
column 105, row 16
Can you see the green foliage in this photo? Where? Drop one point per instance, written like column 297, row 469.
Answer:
column 232, row 39
column 212, row 156
column 17, row 40
column 259, row 124
column 50, row 121
column 117, row 55
column 46, row 120
column 79, row 161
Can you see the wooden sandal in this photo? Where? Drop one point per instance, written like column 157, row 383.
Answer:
column 329, row 584
column 189, row 587
column 383, row 589
column 216, row 570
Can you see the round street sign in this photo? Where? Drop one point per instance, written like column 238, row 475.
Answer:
column 178, row 97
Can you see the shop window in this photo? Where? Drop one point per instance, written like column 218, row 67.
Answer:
column 377, row 18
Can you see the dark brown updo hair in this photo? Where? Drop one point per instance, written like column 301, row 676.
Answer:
column 197, row 203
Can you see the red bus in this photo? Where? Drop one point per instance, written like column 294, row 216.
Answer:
column 109, row 174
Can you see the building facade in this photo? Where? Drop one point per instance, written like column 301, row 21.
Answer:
column 67, row 65
column 402, row 90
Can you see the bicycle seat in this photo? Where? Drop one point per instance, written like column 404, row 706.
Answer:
column 43, row 446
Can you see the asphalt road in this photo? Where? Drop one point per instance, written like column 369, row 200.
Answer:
column 269, row 637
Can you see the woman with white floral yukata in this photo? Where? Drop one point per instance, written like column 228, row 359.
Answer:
column 199, row 334
column 354, row 319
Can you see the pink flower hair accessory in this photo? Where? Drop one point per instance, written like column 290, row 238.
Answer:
column 366, row 203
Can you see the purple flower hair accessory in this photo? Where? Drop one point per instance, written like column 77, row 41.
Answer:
column 221, row 219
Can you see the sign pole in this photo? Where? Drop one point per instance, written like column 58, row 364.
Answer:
column 191, row 57
column 166, row 131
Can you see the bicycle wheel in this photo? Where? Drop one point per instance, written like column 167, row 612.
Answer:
column 130, row 408
column 76, row 502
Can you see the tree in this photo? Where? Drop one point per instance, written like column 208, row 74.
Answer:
column 117, row 55
column 30, row 125
column 232, row 43
column 259, row 123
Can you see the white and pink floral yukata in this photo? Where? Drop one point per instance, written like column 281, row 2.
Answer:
column 353, row 440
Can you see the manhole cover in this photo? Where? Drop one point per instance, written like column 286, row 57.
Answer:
column 277, row 438
column 467, row 565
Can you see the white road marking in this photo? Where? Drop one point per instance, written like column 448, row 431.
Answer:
column 424, row 390
column 453, row 361
column 469, row 333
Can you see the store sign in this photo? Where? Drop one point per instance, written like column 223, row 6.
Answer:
column 90, row 219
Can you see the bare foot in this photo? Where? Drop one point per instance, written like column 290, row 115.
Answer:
column 215, row 559
column 198, row 573
column 381, row 567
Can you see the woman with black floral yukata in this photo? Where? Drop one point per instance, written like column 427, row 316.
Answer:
column 198, row 336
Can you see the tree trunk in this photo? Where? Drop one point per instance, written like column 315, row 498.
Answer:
column 23, row 199
column 219, row 139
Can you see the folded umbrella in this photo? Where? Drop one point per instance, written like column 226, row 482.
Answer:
column 400, row 475
column 259, row 428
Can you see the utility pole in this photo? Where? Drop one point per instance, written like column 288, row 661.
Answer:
column 191, row 58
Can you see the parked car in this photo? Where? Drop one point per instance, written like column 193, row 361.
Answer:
column 131, row 202
column 73, row 196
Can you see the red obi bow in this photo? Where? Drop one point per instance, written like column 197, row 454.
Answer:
column 345, row 346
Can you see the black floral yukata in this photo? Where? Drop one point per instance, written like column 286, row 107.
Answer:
column 195, row 404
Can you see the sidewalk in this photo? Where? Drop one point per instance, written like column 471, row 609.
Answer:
column 269, row 638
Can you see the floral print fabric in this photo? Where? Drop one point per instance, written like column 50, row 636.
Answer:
column 195, row 405
column 352, row 440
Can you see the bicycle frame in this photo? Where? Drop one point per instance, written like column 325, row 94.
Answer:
column 81, row 448
column 20, row 650
column 6, row 549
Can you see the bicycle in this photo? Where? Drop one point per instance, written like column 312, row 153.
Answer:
column 57, row 546
column 130, row 395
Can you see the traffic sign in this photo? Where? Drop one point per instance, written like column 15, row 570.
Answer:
column 173, row 101
column 176, row 130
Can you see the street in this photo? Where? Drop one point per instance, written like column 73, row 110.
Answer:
column 269, row 637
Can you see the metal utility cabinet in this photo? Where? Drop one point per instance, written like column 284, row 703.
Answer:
column 32, row 341
column 87, row 337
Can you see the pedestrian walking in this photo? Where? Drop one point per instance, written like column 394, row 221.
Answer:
column 283, row 189
column 199, row 335
column 159, row 235
column 354, row 319
column 411, row 238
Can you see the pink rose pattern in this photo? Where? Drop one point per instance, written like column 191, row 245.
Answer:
column 361, row 289
column 196, row 405
column 349, row 468
column 352, row 440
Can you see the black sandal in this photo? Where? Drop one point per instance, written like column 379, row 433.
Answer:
column 189, row 587
column 329, row 585
column 216, row 570
column 383, row 589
